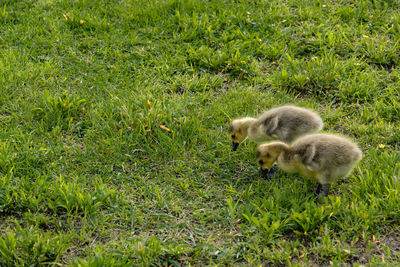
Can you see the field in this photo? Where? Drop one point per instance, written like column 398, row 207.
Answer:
column 114, row 118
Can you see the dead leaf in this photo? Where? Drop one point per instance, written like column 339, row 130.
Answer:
column 165, row 128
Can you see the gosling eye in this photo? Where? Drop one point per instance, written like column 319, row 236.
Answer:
column 233, row 136
column 261, row 162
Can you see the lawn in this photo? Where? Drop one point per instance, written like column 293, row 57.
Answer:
column 113, row 131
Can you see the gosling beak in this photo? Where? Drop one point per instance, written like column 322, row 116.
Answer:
column 235, row 146
column 267, row 173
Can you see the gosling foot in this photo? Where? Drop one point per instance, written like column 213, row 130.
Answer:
column 325, row 189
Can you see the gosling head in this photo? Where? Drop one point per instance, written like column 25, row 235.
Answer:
column 267, row 154
column 238, row 131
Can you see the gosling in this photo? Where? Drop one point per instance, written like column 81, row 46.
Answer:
column 321, row 157
column 285, row 123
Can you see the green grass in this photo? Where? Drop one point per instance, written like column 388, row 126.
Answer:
column 89, row 178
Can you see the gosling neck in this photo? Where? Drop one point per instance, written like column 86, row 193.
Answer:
column 286, row 154
column 246, row 124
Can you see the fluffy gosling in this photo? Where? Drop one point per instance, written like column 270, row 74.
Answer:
column 285, row 123
column 321, row 157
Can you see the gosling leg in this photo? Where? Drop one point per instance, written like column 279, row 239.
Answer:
column 317, row 189
column 235, row 146
column 325, row 189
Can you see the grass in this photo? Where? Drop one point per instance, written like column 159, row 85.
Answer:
column 113, row 146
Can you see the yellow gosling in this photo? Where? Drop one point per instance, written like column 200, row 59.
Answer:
column 285, row 123
column 321, row 157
